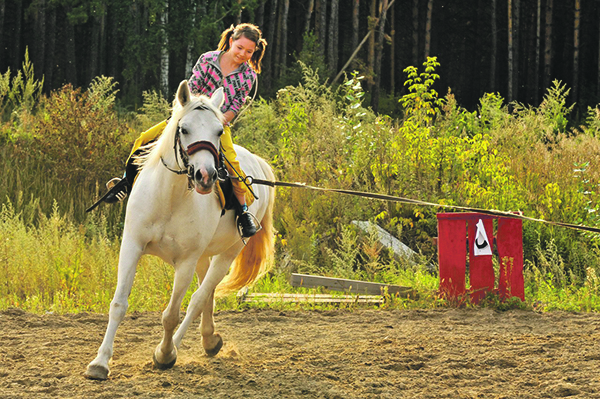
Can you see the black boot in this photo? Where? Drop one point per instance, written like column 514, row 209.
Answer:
column 245, row 222
column 117, row 190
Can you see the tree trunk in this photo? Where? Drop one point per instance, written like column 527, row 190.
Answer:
column 517, row 47
column 50, row 44
column 71, row 67
column 238, row 16
column 415, row 32
column 114, row 44
column 164, row 52
column 277, row 48
column 536, row 75
column 94, row 47
column 16, row 47
column 576, row 50
column 321, row 25
column 309, row 11
column 510, row 52
column 102, row 63
column 332, row 52
column 2, row 35
column 260, row 15
column 548, row 46
column 379, row 53
column 355, row 25
column 38, row 56
column 199, row 12
column 392, row 52
column 428, row 29
column 284, row 34
column 371, row 48
column 268, row 57
column 494, row 56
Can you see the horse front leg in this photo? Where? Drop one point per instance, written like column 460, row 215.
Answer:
column 128, row 260
column 165, row 353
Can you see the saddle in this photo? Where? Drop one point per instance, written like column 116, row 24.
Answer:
column 224, row 191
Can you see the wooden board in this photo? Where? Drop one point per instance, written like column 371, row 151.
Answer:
column 353, row 286
column 310, row 298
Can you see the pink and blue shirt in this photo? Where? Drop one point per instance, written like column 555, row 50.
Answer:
column 207, row 77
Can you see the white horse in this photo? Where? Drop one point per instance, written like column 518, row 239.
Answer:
column 167, row 219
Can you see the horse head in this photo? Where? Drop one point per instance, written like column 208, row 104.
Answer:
column 199, row 132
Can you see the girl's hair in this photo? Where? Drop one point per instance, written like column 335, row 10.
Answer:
column 250, row 32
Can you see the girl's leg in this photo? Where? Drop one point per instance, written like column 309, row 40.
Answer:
column 245, row 219
column 120, row 187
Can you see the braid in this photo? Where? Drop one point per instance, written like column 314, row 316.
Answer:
column 256, row 60
column 225, row 36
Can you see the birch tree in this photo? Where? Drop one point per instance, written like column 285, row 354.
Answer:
column 164, row 52
column 309, row 10
column 332, row 48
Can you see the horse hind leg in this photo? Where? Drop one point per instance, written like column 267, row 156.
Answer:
column 165, row 353
column 211, row 341
column 202, row 301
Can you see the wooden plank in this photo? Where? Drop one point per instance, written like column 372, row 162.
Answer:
column 311, row 298
column 354, row 286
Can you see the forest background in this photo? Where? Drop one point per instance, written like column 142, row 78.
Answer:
column 516, row 128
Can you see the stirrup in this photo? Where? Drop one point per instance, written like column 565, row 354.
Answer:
column 112, row 182
column 240, row 229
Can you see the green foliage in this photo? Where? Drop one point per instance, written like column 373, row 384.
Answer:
column 154, row 109
column 554, row 109
column 102, row 93
column 20, row 95
column 592, row 127
column 78, row 136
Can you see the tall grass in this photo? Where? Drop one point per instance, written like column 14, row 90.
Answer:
column 56, row 151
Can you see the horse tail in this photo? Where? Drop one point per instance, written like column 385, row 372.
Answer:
column 256, row 257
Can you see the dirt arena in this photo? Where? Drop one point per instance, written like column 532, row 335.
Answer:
column 337, row 354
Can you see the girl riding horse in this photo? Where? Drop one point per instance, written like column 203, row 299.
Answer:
column 233, row 66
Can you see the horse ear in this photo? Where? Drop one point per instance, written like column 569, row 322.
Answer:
column 218, row 98
column 183, row 93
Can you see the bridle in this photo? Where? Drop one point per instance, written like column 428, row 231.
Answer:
column 182, row 156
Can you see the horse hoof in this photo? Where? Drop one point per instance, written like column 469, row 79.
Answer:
column 96, row 372
column 213, row 352
column 163, row 366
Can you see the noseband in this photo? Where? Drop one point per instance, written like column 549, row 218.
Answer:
column 204, row 145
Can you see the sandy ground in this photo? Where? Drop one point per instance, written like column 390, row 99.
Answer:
column 451, row 353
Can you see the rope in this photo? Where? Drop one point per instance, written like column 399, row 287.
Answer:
column 250, row 180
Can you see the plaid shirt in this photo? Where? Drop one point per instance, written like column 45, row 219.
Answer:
column 207, row 77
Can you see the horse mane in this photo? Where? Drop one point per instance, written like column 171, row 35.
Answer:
column 162, row 147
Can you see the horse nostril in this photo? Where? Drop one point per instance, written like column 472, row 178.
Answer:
column 198, row 175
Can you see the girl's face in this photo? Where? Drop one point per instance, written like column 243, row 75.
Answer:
column 241, row 49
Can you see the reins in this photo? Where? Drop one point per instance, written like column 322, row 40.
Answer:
column 249, row 180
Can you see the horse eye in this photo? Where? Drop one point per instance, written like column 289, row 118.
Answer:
column 221, row 132
column 182, row 130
